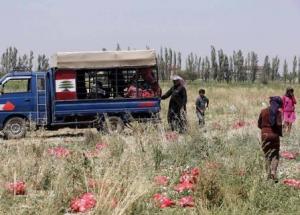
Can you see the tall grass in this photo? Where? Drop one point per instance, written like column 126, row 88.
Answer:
column 232, row 179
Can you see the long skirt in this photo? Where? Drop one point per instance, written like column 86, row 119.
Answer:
column 289, row 117
column 271, row 147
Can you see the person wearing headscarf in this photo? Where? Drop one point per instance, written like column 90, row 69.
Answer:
column 177, row 105
column 289, row 115
column 149, row 77
column 270, row 123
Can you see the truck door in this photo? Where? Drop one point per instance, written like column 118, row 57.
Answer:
column 16, row 96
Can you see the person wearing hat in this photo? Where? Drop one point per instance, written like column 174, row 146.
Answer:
column 177, row 104
column 270, row 123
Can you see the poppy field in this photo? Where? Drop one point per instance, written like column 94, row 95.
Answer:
column 147, row 169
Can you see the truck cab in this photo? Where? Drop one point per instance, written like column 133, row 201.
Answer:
column 105, row 90
column 21, row 96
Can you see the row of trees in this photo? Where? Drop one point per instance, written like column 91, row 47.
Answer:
column 222, row 67
column 11, row 59
column 218, row 66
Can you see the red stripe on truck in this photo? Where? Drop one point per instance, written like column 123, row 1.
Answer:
column 8, row 106
column 146, row 104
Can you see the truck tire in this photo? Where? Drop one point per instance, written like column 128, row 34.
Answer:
column 113, row 125
column 15, row 128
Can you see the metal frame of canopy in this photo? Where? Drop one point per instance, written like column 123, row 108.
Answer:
column 108, row 62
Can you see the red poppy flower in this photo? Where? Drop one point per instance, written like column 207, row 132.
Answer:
column 289, row 155
column 187, row 201
column 59, row 152
column 162, row 201
column 161, row 180
column 83, row 203
column 292, row 183
column 17, row 188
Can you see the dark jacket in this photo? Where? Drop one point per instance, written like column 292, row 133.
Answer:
column 265, row 125
column 178, row 98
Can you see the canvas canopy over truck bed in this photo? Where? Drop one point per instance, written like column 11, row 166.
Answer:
column 103, row 59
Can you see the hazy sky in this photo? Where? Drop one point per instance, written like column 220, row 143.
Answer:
column 46, row 26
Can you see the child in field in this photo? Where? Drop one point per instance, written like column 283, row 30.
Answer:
column 289, row 115
column 201, row 105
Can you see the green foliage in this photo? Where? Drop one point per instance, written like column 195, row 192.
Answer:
column 193, row 66
column 285, row 71
column 275, row 68
column 43, row 63
column 169, row 62
column 219, row 66
column 188, row 75
column 266, row 71
column 157, row 155
column 12, row 60
column 294, row 72
column 253, row 66
column 9, row 59
column 214, row 65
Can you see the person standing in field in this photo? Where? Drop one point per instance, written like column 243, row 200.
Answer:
column 177, row 105
column 270, row 123
column 289, row 115
column 201, row 105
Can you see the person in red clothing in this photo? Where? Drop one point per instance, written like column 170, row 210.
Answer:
column 289, row 114
column 149, row 77
column 270, row 123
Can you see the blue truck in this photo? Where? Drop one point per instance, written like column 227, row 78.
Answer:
column 105, row 90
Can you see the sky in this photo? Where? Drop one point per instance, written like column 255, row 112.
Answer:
column 47, row 26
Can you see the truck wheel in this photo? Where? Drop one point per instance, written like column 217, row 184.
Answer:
column 15, row 128
column 114, row 125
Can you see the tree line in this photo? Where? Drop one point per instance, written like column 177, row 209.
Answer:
column 12, row 59
column 218, row 66
column 222, row 67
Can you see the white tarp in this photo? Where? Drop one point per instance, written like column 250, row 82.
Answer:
column 103, row 59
